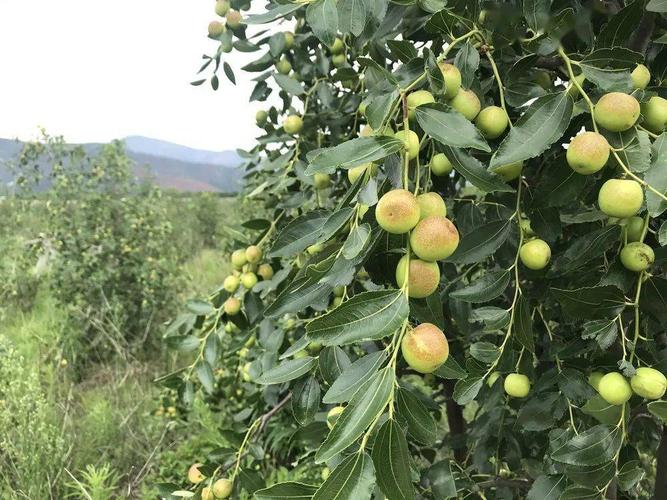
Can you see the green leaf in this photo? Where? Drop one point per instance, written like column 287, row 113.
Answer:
column 543, row 123
column 403, row 50
column 205, row 376
column 485, row 352
column 630, row 474
column 656, row 176
column 587, row 247
column 353, row 479
column 199, row 307
column 286, row 490
column 609, row 69
column 539, row 413
column 356, row 241
column 657, row 6
column 604, row 331
column 593, row 475
column 366, row 316
column 366, row 404
column 333, row 361
column 484, row 289
column 536, row 13
column 523, row 324
column 616, row 33
column 547, row 488
column 380, row 105
column 580, row 493
column 391, row 458
column 450, row 127
column 466, row 390
column 299, row 234
column 287, row 370
column 591, row 302
column 306, row 400
column 353, row 153
column 273, row 14
column 421, row 425
column 602, row 411
column 592, row 447
column 475, row 173
column 441, row 480
column 659, row 409
column 352, row 16
column 575, row 386
column 482, row 242
column 433, row 73
column 451, row 369
column 322, row 17
column 288, row 84
column 428, row 310
column 353, row 377
column 467, row 61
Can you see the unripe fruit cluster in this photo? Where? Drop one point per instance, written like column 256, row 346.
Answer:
column 246, row 264
column 615, row 389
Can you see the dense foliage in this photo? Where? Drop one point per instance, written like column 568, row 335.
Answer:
column 544, row 267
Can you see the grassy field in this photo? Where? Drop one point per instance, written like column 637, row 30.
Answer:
column 97, row 430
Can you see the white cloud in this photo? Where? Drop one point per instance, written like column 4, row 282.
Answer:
column 94, row 71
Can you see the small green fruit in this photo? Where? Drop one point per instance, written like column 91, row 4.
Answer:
column 338, row 60
column 641, row 77
column 492, row 122
column 253, row 254
column 261, row 117
column 614, row 389
column 431, row 204
column 289, row 39
column 283, row 66
column 321, row 181
column 594, row 379
column 333, row 415
column 221, row 7
column 648, row 383
column 222, row 488
column 336, row 302
column 620, row 198
column 411, row 141
column 423, row 279
column 207, row 494
column 397, row 211
column 315, row 249
column 339, row 291
column 572, row 88
column 637, row 256
column 265, row 271
column 416, row 99
column 492, row 378
column 215, row 29
column 194, row 474
column 425, row 348
column 232, row 306
column 616, row 111
column 535, row 254
column 440, row 165
column 634, row 228
column 293, row 124
column 355, row 172
column 231, row 284
column 234, row 19
column 467, row 103
column 517, row 385
column 510, row 171
column 434, row 238
column 655, row 114
column 452, row 77
column 338, row 46
column 248, row 280
column 588, row 153
column 238, row 259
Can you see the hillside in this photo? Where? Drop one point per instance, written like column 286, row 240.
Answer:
column 170, row 165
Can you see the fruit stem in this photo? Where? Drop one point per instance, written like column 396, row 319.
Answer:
column 640, row 280
column 501, row 90
column 651, row 134
column 455, row 41
column 568, row 64
column 623, row 339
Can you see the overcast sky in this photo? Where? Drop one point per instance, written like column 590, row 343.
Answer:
column 93, row 71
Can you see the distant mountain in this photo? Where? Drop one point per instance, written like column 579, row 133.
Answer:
column 169, row 165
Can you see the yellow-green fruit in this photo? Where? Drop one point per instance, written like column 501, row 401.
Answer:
column 315, row 249
column 397, row 211
column 492, row 378
column 517, row 385
column 411, row 141
column 416, row 99
column 355, row 172
column 231, row 327
column 321, row 181
column 655, row 114
column 634, row 228
column 339, row 291
column 232, row 306
column 615, row 389
column 238, row 259
column 260, row 117
column 215, row 29
column 221, row 7
column 510, row 171
column 234, row 18
column 207, row 494
column 289, row 39
column 616, row 111
column 431, row 204
column 338, row 46
column 641, row 77
column 594, row 379
column 440, row 165
column 249, row 280
column 620, row 198
column 637, row 256
column 423, row 278
column 572, row 88
column 336, row 302
column 265, row 271
column 338, row 60
column 367, row 131
column 434, row 238
column 300, row 354
column 425, row 348
column 452, row 77
column 293, row 124
column 194, row 474
column 333, row 415
column 492, row 122
column 467, row 103
column 649, row 383
column 231, row 284
column 325, row 473
column 253, row 254
column 222, row 488
column 283, row 66
column 362, row 107
column 250, row 342
column 588, row 153
column 535, row 254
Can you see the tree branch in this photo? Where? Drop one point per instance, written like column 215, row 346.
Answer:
column 456, row 423
column 500, row 482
